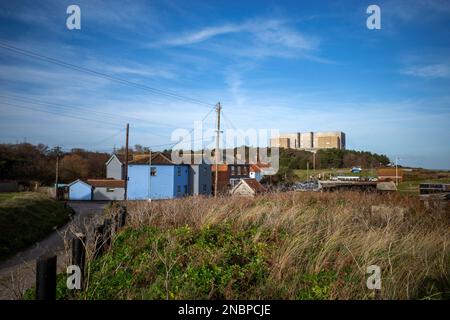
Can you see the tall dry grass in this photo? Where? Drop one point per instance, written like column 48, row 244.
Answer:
column 343, row 233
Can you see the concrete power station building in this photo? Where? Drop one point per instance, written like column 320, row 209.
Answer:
column 310, row 140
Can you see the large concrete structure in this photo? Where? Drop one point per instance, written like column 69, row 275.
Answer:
column 310, row 140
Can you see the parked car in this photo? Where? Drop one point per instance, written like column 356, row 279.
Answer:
column 306, row 186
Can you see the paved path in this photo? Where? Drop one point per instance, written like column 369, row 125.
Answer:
column 18, row 272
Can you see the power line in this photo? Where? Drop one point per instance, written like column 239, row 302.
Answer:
column 107, row 138
column 76, row 116
column 101, row 74
column 229, row 121
column 59, row 114
column 72, row 108
column 192, row 130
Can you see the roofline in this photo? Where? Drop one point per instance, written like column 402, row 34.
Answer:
column 246, row 185
column 79, row 180
column 159, row 164
column 113, row 156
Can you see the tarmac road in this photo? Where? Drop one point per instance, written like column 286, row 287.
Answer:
column 17, row 273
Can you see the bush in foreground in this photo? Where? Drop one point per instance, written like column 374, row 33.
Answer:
column 278, row 246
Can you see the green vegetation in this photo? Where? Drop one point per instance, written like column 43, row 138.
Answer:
column 302, row 175
column 26, row 218
column 29, row 163
column 7, row 196
column 293, row 163
column 277, row 246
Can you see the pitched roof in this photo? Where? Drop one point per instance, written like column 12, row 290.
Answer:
column 254, row 185
column 157, row 158
column 258, row 167
column 120, row 157
column 79, row 180
column 106, row 183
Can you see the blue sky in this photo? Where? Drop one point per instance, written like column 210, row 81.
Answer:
column 293, row 66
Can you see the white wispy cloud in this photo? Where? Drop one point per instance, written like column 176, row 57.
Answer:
column 431, row 71
column 202, row 35
column 261, row 32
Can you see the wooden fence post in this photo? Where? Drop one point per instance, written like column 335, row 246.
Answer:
column 79, row 254
column 122, row 217
column 46, row 278
column 116, row 222
column 99, row 240
column 107, row 232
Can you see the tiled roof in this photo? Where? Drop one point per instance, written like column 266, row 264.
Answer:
column 107, row 183
column 121, row 157
column 157, row 158
column 255, row 185
column 220, row 167
column 259, row 166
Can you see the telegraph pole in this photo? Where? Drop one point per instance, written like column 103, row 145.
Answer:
column 314, row 161
column 149, row 174
column 307, row 170
column 217, row 153
column 126, row 163
column 57, row 173
column 396, row 170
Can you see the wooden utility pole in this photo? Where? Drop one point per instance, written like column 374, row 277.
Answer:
column 149, row 174
column 307, row 170
column 217, row 153
column 314, row 161
column 57, row 173
column 396, row 170
column 126, row 163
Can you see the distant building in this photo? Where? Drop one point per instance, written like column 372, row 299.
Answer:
column 229, row 175
column 200, row 179
column 157, row 178
column 80, row 190
column 115, row 167
column 429, row 188
column 247, row 187
column 310, row 141
column 107, row 189
column 259, row 170
column 96, row 189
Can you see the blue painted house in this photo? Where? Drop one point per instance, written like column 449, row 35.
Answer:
column 80, row 190
column 157, row 178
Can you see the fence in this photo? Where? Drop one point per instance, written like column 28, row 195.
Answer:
column 46, row 265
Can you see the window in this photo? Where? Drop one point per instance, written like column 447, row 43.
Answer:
column 185, row 189
column 153, row 171
column 179, row 171
column 239, row 171
column 205, row 171
column 232, row 170
column 178, row 189
column 204, row 188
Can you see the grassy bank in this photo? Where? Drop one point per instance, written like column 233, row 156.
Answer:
column 302, row 175
column 279, row 246
column 26, row 218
